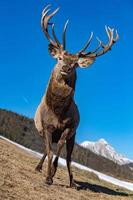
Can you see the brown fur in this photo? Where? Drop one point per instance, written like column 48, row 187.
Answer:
column 57, row 116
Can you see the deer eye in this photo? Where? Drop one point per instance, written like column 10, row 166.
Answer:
column 60, row 58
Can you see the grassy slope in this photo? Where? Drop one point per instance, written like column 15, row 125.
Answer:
column 22, row 130
column 18, row 180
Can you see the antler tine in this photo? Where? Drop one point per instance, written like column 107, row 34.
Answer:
column 54, row 35
column 94, row 51
column 106, row 29
column 110, row 43
column 44, row 10
column 44, row 13
column 110, row 33
column 116, row 37
column 64, row 35
column 100, row 42
column 98, row 47
column 53, row 13
column 45, row 22
column 86, row 45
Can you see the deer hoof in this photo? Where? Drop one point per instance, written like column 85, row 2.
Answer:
column 38, row 168
column 74, row 185
column 49, row 181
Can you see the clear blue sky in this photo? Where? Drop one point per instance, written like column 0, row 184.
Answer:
column 104, row 92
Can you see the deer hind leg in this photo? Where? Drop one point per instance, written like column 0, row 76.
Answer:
column 59, row 147
column 40, row 164
column 69, row 149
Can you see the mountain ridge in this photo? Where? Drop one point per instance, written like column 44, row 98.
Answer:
column 103, row 148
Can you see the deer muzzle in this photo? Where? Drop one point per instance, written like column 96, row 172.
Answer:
column 66, row 70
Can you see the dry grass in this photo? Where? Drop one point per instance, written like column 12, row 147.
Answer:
column 19, row 181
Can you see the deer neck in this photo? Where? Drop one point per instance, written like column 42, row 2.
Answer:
column 60, row 86
column 59, row 95
column 69, row 81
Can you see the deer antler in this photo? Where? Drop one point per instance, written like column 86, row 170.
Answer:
column 95, row 53
column 87, row 44
column 64, row 34
column 45, row 22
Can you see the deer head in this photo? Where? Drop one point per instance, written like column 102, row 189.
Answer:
column 66, row 62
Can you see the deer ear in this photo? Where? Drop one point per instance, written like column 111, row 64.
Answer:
column 53, row 51
column 85, row 62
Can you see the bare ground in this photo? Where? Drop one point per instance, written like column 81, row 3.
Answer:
column 19, row 180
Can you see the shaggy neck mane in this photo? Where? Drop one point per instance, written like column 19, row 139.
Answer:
column 59, row 95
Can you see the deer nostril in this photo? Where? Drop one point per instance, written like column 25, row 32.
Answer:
column 66, row 68
column 69, row 69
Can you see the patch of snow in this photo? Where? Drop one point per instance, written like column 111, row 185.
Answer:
column 62, row 162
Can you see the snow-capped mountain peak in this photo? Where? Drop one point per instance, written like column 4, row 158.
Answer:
column 101, row 147
column 102, row 141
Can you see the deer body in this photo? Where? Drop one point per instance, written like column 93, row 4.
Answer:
column 57, row 107
column 57, row 115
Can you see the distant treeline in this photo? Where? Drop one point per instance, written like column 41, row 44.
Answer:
column 22, row 130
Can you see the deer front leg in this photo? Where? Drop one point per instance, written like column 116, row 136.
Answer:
column 48, row 136
column 69, row 149
column 59, row 147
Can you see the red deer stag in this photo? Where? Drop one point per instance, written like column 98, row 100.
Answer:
column 57, row 116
